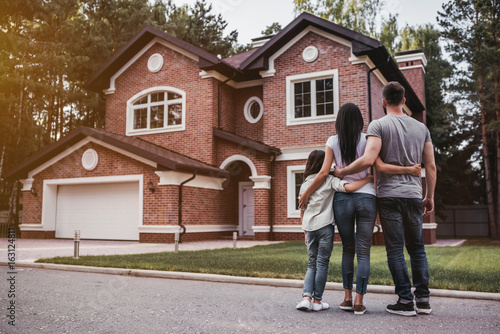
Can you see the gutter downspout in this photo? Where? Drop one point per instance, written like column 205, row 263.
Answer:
column 180, row 206
column 271, row 199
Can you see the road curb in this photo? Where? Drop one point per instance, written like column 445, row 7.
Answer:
column 276, row 282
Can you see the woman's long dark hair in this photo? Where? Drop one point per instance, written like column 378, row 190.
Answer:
column 349, row 125
column 314, row 162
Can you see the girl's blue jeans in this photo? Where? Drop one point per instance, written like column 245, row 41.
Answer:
column 359, row 208
column 319, row 249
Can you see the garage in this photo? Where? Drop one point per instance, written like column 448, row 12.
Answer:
column 99, row 211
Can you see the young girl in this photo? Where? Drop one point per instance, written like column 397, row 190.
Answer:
column 317, row 223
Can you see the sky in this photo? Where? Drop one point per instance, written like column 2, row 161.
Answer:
column 250, row 17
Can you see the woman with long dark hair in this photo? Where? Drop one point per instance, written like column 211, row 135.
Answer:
column 355, row 213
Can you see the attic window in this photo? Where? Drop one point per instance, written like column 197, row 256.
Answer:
column 312, row 98
column 160, row 109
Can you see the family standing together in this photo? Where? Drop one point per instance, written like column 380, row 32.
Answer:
column 396, row 145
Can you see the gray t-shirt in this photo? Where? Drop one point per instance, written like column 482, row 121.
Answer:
column 403, row 140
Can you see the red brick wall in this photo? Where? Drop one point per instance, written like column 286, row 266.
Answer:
column 179, row 72
column 332, row 55
column 243, row 127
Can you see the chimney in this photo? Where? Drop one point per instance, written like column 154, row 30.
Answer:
column 260, row 41
column 412, row 64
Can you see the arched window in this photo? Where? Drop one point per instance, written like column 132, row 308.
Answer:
column 159, row 109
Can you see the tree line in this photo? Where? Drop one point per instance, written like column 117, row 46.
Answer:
column 49, row 48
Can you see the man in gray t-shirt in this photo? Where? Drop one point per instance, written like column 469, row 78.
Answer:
column 403, row 141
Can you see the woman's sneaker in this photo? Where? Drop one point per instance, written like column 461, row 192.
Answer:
column 346, row 305
column 359, row 309
column 399, row 308
column 423, row 308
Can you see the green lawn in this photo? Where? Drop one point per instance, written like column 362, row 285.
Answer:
column 471, row 268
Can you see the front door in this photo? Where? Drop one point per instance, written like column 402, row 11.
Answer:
column 246, row 208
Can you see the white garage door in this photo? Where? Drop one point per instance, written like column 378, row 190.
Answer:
column 99, row 211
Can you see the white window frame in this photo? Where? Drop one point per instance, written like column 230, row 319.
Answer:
column 291, row 186
column 246, row 109
column 168, row 128
column 290, row 98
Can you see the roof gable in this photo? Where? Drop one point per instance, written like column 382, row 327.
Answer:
column 146, row 152
column 140, row 43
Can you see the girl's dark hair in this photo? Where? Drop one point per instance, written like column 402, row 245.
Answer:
column 314, row 162
column 349, row 125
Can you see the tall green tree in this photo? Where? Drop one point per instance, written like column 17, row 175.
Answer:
column 473, row 30
column 359, row 15
column 273, row 29
column 197, row 25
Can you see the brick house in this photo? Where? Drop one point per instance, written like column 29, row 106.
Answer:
column 207, row 146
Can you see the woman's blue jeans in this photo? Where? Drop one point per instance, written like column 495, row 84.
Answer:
column 402, row 220
column 319, row 249
column 359, row 208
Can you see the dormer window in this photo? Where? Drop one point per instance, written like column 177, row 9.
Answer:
column 155, row 110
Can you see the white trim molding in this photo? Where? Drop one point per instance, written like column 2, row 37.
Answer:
column 429, row 226
column 272, row 71
column 261, row 181
column 239, row 157
column 31, row 227
column 82, row 143
column 415, row 66
column 261, row 229
column 290, row 190
column 174, row 178
column 130, row 131
column 247, row 111
column 189, row 228
column 234, row 84
column 288, row 229
column 27, row 184
column 297, row 153
column 412, row 57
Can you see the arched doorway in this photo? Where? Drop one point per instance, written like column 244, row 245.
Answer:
column 239, row 193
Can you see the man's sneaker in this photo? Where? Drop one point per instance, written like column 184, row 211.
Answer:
column 359, row 309
column 346, row 305
column 402, row 309
column 320, row 307
column 304, row 305
column 423, row 308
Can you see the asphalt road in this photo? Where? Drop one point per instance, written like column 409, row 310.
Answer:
column 51, row 301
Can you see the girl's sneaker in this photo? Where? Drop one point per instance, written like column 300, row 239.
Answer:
column 304, row 305
column 320, row 307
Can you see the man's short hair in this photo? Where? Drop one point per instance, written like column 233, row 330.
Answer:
column 393, row 93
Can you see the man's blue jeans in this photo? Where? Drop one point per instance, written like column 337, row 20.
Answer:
column 319, row 249
column 402, row 220
column 362, row 209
